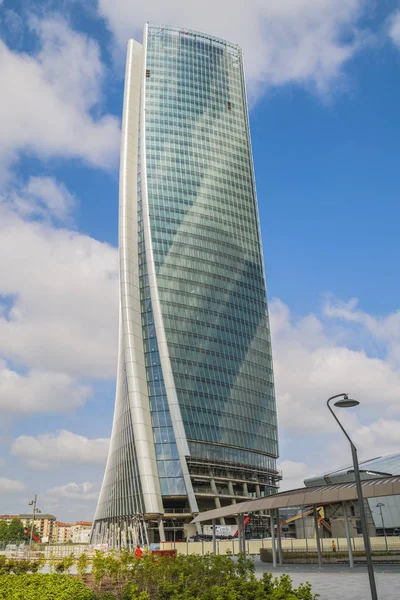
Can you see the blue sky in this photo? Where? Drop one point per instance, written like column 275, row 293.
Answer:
column 324, row 87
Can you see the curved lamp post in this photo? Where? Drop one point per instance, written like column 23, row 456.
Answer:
column 35, row 511
column 347, row 402
column 380, row 505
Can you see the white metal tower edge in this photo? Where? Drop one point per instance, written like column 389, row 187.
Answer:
column 131, row 328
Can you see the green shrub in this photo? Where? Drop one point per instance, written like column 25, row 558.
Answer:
column 131, row 592
column 82, row 564
column 37, row 564
column 43, row 587
column 64, row 564
column 207, row 578
column 99, row 568
column 19, row 567
column 123, row 577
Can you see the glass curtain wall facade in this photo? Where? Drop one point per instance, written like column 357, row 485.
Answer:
column 195, row 419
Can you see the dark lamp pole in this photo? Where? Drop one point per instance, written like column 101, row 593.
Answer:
column 347, row 402
column 35, row 511
column 380, row 505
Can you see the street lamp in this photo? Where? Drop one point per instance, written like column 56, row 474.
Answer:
column 379, row 505
column 35, row 511
column 347, row 402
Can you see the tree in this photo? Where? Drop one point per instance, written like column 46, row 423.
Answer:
column 3, row 531
column 16, row 531
column 82, row 564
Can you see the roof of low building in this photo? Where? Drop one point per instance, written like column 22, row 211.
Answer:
column 38, row 516
column 388, row 465
column 307, row 496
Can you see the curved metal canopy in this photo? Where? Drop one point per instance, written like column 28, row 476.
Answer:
column 324, row 494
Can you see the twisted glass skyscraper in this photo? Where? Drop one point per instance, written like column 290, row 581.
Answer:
column 195, row 420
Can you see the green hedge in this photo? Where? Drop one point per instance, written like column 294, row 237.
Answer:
column 123, row 577
column 19, row 567
column 43, row 587
column 207, row 578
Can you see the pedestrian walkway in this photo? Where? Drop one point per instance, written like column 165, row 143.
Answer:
column 339, row 582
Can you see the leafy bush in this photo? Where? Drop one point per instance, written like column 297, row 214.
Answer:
column 99, row 568
column 123, row 577
column 82, row 564
column 43, row 587
column 64, row 564
column 3, row 564
column 19, row 567
column 37, row 564
column 61, row 564
column 207, row 578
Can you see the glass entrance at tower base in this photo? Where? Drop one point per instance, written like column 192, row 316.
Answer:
column 216, row 483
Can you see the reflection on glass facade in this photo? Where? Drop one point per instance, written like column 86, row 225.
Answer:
column 194, row 319
column 206, row 240
column 168, row 465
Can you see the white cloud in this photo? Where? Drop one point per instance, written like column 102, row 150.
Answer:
column 284, row 41
column 60, row 297
column 394, row 28
column 11, row 485
column 74, row 491
column 49, row 450
column 39, row 392
column 317, row 356
column 379, row 437
column 294, row 473
column 311, row 364
column 42, row 197
column 385, row 329
column 58, row 302
column 57, row 200
column 47, row 106
column 14, row 23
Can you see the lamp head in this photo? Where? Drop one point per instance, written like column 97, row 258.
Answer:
column 31, row 503
column 346, row 402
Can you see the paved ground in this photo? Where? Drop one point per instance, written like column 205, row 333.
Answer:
column 339, row 582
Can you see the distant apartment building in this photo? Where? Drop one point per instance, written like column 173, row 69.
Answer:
column 62, row 533
column 8, row 518
column 45, row 525
column 80, row 532
column 50, row 530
